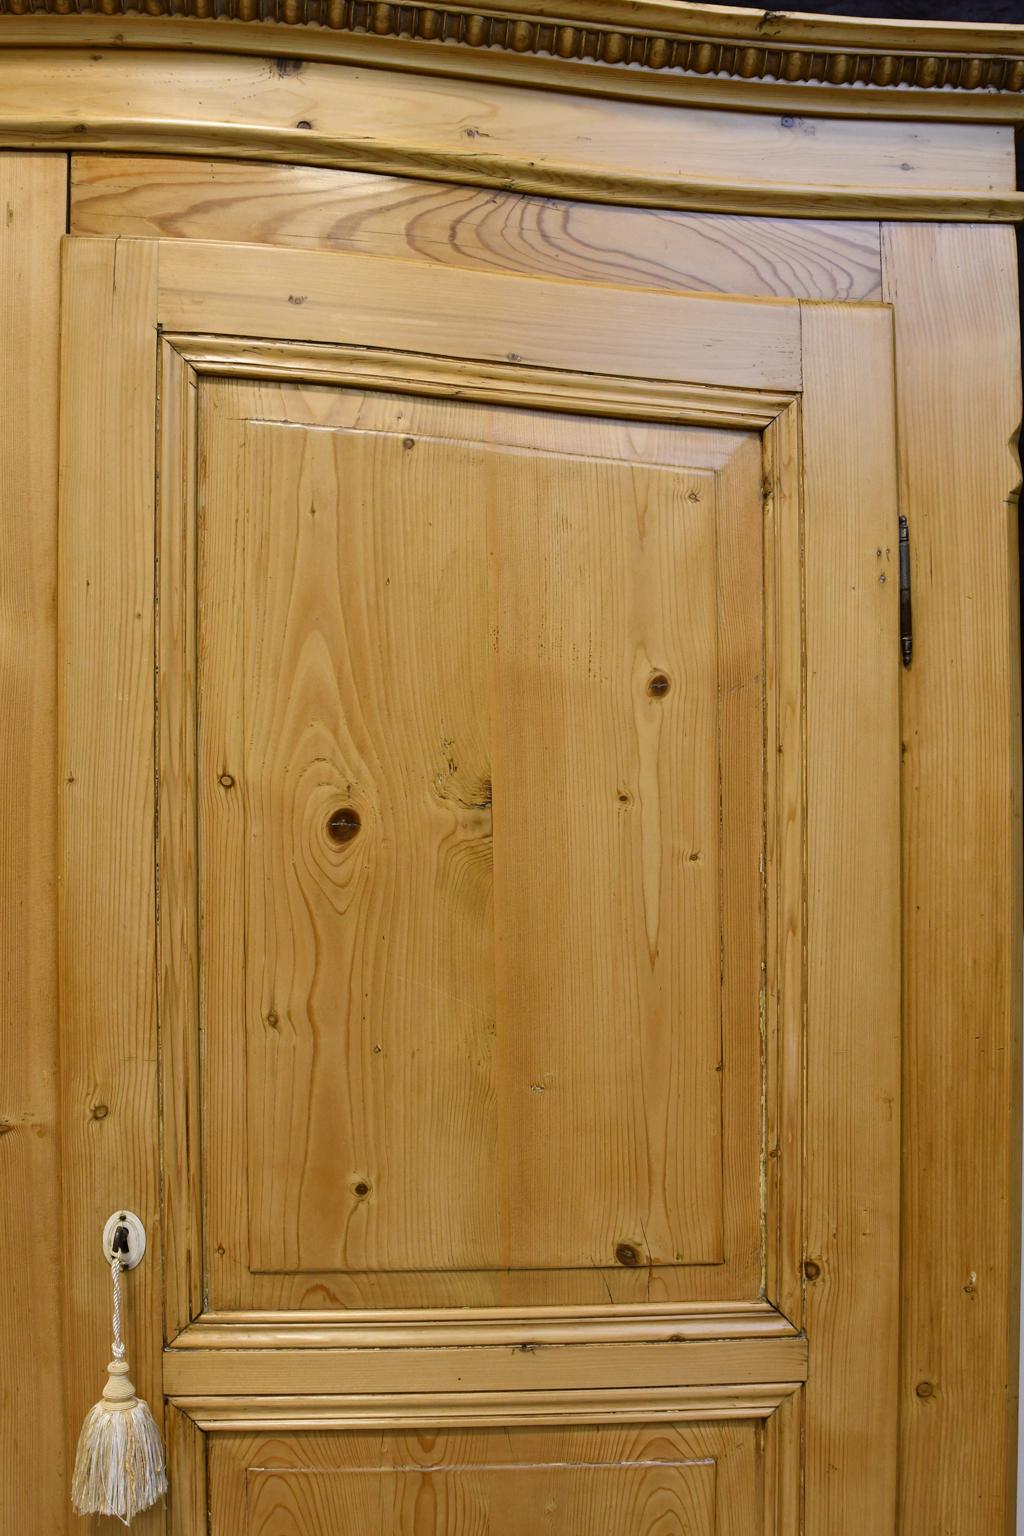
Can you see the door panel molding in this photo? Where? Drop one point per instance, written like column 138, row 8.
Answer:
column 546, row 389
column 224, row 1414
column 781, row 1250
column 464, row 1326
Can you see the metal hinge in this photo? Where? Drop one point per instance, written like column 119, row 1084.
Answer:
column 906, row 609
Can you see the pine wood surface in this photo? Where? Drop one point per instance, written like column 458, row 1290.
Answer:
column 317, row 296
column 486, row 134
column 853, row 1089
column 31, row 1443
column 958, row 363
column 690, row 1478
column 740, row 60
column 312, row 208
column 525, row 1187
column 944, row 1233
column 106, row 808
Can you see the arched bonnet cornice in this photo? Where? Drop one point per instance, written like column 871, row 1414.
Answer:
column 660, row 49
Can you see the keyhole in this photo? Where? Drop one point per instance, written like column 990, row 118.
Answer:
column 343, row 824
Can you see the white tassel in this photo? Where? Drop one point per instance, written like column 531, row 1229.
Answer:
column 119, row 1468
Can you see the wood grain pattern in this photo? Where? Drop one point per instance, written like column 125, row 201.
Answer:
column 623, row 1496
column 295, row 1088
column 784, row 991
column 436, row 1410
column 545, row 389
column 106, row 807
column 521, row 140
column 32, row 190
column 853, row 917
column 311, row 208
column 852, row 890
column 467, row 1325
column 188, row 1501
column 374, row 301
column 177, row 935
column 954, row 296
column 227, row 1148
column 554, row 1368
column 803, row 64
column 701, row 1480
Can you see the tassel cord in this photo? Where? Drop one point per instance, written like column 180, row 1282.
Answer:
column 119, row 1464
column 115, row 1276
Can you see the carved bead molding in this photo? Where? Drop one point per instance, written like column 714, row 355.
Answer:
column 619, row 43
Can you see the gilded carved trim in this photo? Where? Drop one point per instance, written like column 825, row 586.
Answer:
column 613, row 42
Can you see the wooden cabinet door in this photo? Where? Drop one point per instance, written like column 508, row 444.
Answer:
column 480, row 897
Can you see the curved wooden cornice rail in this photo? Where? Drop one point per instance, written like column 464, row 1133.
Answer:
column 510, row 99
column 618, row 46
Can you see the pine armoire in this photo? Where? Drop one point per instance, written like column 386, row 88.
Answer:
column 511, row 763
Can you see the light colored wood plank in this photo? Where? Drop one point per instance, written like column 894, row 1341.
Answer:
column 267, row 472
column 556, row 1367
column 508, row 1500
column 177, row 937
column 312, row 208
column 546, row 389
column 518, row 139
column 368, row 970
column 853, row 919
column 605, row 591
column 318, row 296
column 957, row 350
column 436, row 1410
column 32, row 193
column 466, row 1325
column 701, row 1479
column 784, row 985
column 188, row 1501
column 106, row 777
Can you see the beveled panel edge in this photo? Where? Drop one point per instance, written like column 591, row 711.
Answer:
column 513, row 1328
column 226, row 1414
column 188, row 1328
column 653, row 49
column 518, row 385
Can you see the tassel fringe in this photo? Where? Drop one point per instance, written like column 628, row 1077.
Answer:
column 119, row 1469
column 119, row 1466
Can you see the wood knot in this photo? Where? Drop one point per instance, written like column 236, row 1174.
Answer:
column 626, row 1253
column 658, row 685
column 343, row 824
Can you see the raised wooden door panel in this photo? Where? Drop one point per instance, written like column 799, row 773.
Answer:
column 677, row 1480
column 479, row 740
column 524, row 942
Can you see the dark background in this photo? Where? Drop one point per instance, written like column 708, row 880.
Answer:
column 912, row 10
